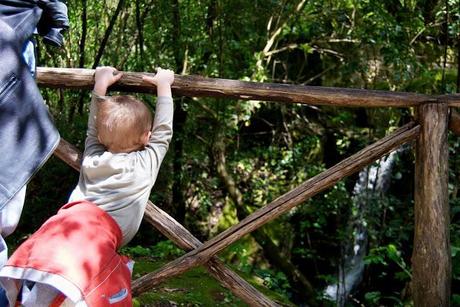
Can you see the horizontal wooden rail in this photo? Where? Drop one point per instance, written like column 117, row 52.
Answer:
column 454, row 122
column 196, row 86
column 180, row 236
column 281, row 205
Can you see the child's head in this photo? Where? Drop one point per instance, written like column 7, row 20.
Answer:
column 123, row 123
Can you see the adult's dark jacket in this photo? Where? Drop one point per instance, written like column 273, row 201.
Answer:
column 27, row 134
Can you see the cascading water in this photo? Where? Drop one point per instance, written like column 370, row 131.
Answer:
column 373, row 181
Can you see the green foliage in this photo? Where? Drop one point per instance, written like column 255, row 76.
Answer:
column 241, row 254
column 455, row 300
column 381, row 255
column 275, row 281
column 162, row 250
column 388, row 257
column 136, row 251
column 373, row 298
column 166, row 250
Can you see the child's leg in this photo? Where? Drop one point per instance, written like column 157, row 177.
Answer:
column 36, row 294
column 11, row 213
column 9, row 219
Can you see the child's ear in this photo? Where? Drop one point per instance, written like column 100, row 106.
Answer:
column 146, row 137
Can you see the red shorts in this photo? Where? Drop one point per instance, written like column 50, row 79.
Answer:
column 75, row 252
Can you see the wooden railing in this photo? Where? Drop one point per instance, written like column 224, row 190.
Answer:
column 431, row 263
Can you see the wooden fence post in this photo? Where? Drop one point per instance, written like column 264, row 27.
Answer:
column 431, row 260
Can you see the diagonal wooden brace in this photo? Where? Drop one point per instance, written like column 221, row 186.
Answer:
column 279, row 206
column 182, row 237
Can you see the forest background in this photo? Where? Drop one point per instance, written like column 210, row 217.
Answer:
column 230, row 157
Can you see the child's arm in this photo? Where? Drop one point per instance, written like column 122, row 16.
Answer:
column 104, row 77
column 162, row 124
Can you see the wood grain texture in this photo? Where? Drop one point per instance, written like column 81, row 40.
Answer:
column 282, row 204
column 431, row 261
column 196, row 86
column 454, row 121
column 69, row 154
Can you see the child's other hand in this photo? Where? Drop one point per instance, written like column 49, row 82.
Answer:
column 163, row 76
column 106, row 76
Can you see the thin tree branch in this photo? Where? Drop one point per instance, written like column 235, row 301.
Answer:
column 107, row 33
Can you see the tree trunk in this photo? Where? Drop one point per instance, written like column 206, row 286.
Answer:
column 180, row 117
column 81, row 62
column 107, row 33
column 138, row 37
column 140, row 31
column 458, row 59
column 178, row 199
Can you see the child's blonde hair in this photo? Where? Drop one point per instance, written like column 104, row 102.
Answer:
column 121, row 123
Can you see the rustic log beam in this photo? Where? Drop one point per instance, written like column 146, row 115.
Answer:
column 431, row 261
column 69, row 154
column 196, row 86
column 182, row 237
column 452, row 100
column 282, row 204
column 454, row 122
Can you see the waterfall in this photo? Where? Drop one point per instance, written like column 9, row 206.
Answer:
column 373, row 181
